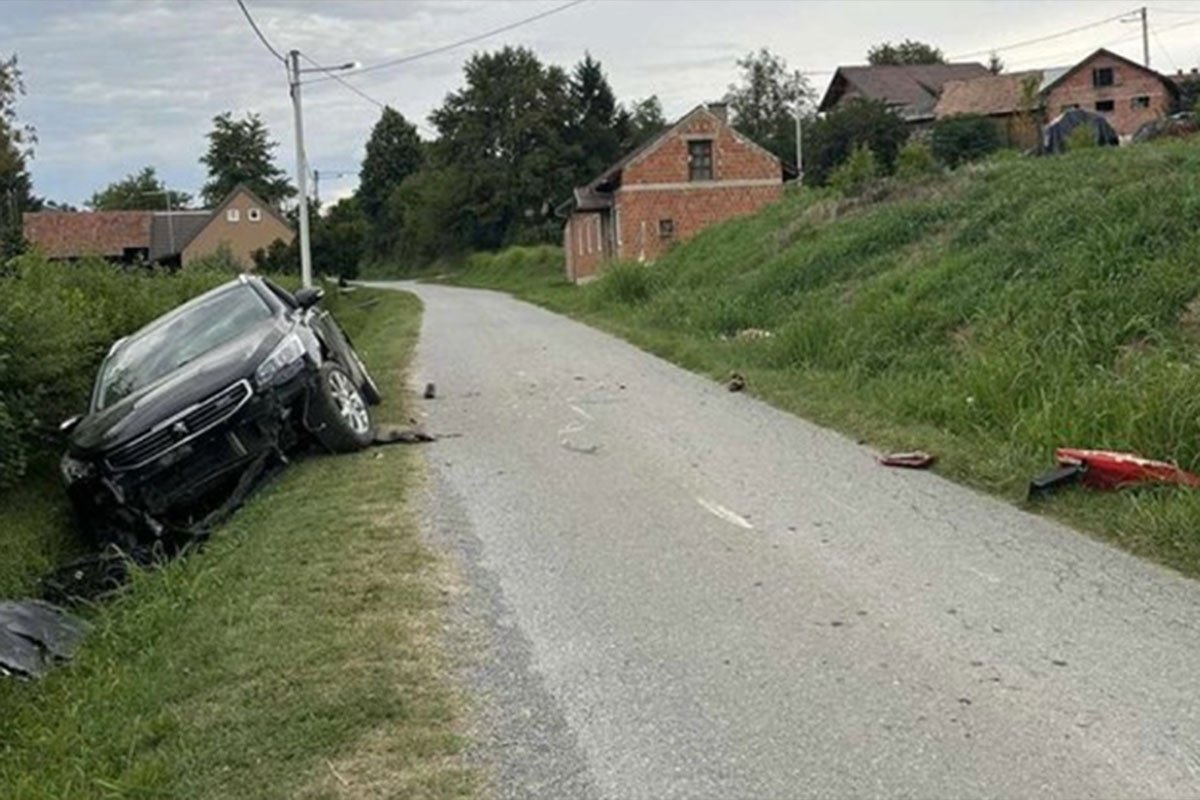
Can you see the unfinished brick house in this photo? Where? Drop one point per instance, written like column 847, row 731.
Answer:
column 697, row 172
column 1126, row 93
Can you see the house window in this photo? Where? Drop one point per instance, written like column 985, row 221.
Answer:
column 700, row 160
column 232, row 215
column 254, row 215
column 1102, row 76
column 1141, row 101
column 666, row 229
column 1105, row 105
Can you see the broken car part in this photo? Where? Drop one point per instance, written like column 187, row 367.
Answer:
column 35, row 635
column 1108, row 469
column 917, row 459
column 1047, row 482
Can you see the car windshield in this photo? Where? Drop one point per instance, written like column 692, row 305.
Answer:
column 166, row 346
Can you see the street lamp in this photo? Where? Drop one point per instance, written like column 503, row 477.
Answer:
column 294, row 73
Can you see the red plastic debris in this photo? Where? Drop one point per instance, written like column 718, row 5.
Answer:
column 1105, row 469
column 914, row 460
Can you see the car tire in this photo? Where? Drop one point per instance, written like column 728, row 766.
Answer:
column 341, row 417
column 368, row 387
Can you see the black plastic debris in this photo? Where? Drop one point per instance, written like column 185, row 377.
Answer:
column 34, row 636
column 430, row 391
column 391, row 434
column 1047, row 482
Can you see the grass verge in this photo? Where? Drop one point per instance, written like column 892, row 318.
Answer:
column 987, row 316
column 295, row 657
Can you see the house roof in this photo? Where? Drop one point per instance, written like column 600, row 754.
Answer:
column 1115, row 56
column 994, row 94
column 596, row 194
column 912, row 88
column 71, row 234
column 169, row 231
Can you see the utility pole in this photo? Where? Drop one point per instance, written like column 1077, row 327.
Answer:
column 799, row 135
column 301, row 168
column 1145, row 38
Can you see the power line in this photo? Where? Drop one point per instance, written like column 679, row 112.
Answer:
column 259, row 33
column 1161, row 10
column 1041, row 39
column 359, row 91
column 471, row 40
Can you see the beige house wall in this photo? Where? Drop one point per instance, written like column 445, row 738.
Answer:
column 243, row 236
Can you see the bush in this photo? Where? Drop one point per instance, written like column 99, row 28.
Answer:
column 963, row 138
column 57, row 321
column 627, row 283
column 915, row 160
column 832, row 139
column 1082, row 138
column 856, row 173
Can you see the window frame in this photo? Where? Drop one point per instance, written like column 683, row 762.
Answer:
column 254, row 214
column 1110, row 106
column 1097, row 72
column 233, row 215
column 1140, row 101
column 666, row 229
column 694, row 175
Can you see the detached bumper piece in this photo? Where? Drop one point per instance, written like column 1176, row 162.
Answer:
column 1108, row 470
column 34, row 636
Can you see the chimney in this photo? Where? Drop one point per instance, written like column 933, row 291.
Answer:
column 720, row 111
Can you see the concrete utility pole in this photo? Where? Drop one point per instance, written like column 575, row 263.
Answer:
column 1145, row 38
column 799, row 135
column 301, row 168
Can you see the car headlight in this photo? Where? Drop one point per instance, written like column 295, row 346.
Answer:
column 75, row 470
column 284, row 361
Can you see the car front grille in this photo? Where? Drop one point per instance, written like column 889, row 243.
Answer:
column 183, row 427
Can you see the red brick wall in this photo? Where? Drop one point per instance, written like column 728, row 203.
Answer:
column 1128, row 82
column 691, row 210
column 734, row 158
column 583, row 244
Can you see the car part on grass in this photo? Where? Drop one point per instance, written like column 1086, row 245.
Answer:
column 185, row 408
column 917, row 459
column 1047, row 482
column 737, row 382
column 1108, row 469
column 393, row 434
column 35, row 635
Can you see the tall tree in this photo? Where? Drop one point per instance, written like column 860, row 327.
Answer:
column 507, row 132
column 641, row 121
column 766, row 100
column 595, row 130
column 16, row 148
column 241, row 151
column 394, row 151
column 995, row 64
column 906, row 52
column 138, row 191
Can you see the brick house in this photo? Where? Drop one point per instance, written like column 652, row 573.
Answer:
column 910, row 90
column 241, row 224
column 1128, row 95
column 697, row 172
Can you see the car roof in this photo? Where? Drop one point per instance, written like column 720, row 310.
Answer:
column 180, row 310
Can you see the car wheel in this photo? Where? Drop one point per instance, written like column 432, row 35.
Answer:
column 370, row 389
column 342, row 417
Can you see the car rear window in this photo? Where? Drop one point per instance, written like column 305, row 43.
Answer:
column 164, row 346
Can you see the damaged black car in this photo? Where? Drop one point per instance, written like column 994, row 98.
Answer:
column 186, row 409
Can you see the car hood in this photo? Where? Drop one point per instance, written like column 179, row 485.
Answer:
column 200, row 378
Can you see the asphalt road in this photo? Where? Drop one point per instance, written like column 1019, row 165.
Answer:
column 667, row 590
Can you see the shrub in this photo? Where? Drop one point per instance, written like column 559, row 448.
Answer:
column 57, row 321
column 963, row 138
column 831, row 140
column 856, row 173
column 1082, row 138
column 915, row 160
column 626, row 283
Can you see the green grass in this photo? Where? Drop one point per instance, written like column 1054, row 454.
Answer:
column 988, row 316
column 296, row 656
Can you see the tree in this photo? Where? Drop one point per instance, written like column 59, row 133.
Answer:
column 856, row 173
column 964, row 137
column 137, row 191
column 643, row 120
column 241, row 152
column 906, row 52
column 394, row 151
column 766, row 100
column 507, row 132
column 995, row 63
column 596, row 129
column 830, row 140
column 16, row 148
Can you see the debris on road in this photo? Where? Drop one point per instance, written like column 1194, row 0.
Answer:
column 430, row 391
column 35, row 635
column 917, row 459
column 587, row 450
column 1108, row 470
column 392, row 434
column 737, row 382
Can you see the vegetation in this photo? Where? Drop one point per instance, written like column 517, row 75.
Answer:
column 831, row 139
column 16, row 149
column 964, row 137
column 294, row 657
column 906, row 52
column 854, row 174
column 765, row 102
column 240, row 151
column 394, row 151
column 138, row 191
column 914, row 160
column 988, row 316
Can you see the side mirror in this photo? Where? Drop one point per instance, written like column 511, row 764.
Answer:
column 68, row 424
column 309, row 296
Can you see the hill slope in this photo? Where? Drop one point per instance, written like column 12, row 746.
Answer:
column 989, row 317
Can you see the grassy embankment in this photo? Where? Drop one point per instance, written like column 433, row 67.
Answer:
column 988, row 316
column 294, row 657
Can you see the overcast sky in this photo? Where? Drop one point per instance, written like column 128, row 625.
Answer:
column 114, row 85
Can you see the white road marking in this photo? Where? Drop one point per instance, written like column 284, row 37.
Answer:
column 718, row 510
column 581, row 412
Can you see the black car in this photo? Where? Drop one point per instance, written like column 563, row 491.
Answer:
column 184, row 408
